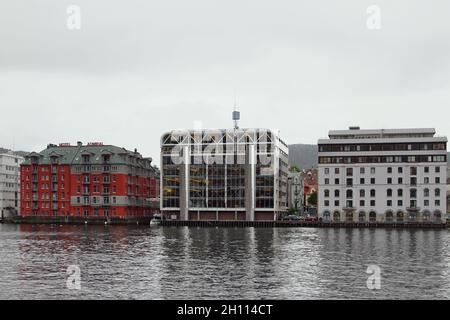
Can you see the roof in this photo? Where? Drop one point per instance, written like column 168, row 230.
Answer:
column 73, row 155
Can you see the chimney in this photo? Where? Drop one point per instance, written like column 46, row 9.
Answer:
column 135, row 150
column 79, row 143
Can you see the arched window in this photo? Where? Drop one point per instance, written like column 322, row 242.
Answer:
column 349, row 194
column 362, row 193
column 336, row 193
column 437, row 192
column 426, row 192
column 326, row 193
column 389, row 192
column 413, row 193
column 400, row 192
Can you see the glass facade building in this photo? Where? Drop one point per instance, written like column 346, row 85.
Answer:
column 235, row 174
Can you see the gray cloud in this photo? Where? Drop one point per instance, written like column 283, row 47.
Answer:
column 139, row 68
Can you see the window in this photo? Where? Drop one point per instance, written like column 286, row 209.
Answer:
column 362, row 170
column 327, row 170
column 372, row 180
column 336, row 203
column 413, row 181
column 326, row 203
column 400, row 192
column 389, row 180
column 362, row 203
column 413, row 193
column 372, row 193
column 326, row 193
column 349, row 194
column 400, row 169
column 426, row 180
column 362, row 181
column 336, row 193
column 372, row 170
column 362, row 193
column 426, row 169
column 389, row 192
column 389, row 203
column 437, row 169
column 349, row 182
column 336, row 181
column 437, row 203
column 349, row 172
column 400, row 203
column 437, row 192
column 437, row 180
column 426, row 192
column 413, row 171
column 389, row 170
column 426, row 203
column 372, row 203
column 400, row 180
column 327, row 181
column 336, row 170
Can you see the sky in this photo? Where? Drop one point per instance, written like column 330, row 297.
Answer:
column 138, row 68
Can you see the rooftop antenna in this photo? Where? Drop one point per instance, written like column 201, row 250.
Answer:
column 236, row 115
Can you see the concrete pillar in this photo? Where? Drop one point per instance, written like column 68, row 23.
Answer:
column 184, row 185
column 250, row 172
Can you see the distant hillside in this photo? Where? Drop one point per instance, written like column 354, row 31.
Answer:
column 19, row 153
column 304, row 156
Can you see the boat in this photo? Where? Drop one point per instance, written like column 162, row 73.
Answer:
column 156, row 219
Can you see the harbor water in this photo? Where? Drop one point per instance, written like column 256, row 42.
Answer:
column 141, row 262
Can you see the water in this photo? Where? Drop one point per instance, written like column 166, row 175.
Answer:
column 123, row 262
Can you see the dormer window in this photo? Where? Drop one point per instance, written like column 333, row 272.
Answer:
column 86, row 158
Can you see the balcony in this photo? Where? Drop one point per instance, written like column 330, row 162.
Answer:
column 413, row 209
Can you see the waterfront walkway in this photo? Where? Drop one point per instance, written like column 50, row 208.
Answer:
column 302, row 224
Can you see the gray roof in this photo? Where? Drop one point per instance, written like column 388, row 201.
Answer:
column 73, row 155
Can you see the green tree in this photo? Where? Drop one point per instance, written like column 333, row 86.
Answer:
column 295, row 168
column 312, row 199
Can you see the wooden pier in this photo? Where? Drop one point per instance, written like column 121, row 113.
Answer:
column 300, row 224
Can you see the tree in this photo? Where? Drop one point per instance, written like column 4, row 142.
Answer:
column 295, row 168
column 312, row 199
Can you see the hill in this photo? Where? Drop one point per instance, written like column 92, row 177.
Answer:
column 303, row 156
column 19, row 153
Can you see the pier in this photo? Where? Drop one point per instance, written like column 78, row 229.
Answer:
column 300, row 224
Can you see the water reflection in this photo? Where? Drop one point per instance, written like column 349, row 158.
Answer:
column 136, row 262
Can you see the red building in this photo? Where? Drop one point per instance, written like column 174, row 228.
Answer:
column 92, row 180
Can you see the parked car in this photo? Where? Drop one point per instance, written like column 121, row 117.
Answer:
column 291, row 217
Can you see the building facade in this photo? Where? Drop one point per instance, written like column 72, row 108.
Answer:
column 9, row 184
column 92, row 180
column 295, row 192
column 236, row 174
column 394, row 175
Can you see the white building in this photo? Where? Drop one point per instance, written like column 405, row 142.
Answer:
column 382, row 175
column 9, row 184
column 295, row 192
column 219, row 174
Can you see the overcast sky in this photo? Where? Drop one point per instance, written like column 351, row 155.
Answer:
column 136, row 69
